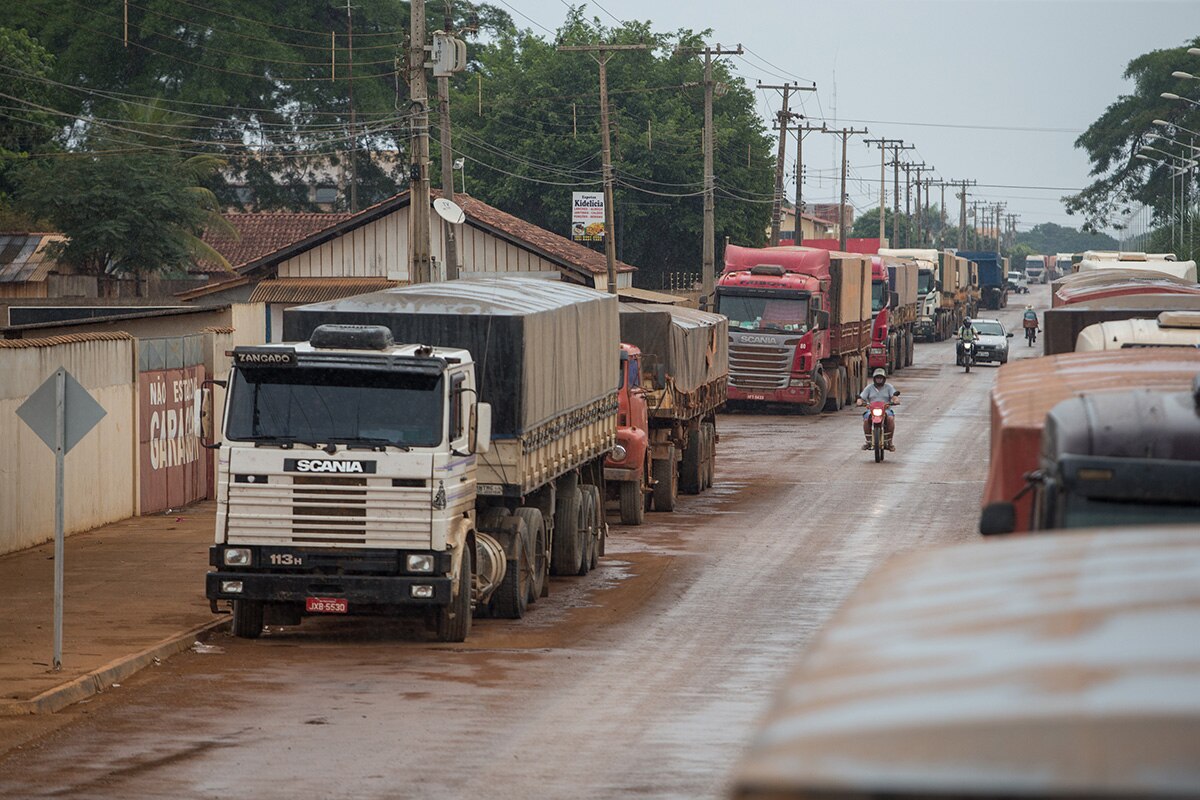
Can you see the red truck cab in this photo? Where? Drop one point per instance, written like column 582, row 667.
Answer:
column 877, row 353
column 626, row 463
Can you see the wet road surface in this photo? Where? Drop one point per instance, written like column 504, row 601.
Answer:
column 644, row 678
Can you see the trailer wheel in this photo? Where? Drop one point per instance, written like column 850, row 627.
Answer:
column 587, row 525
column 821, row 387
column 633, row 503
column 847, row 392
column 691, row 480
column 566, row 550
column 535, row 525
column 454, row 619
column 247, row 619
column 511, row 598
column 710, row 453
column 910, row 347
column 665, row 481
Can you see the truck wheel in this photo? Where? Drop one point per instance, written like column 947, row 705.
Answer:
column 535, row 524
column 247, row 619
column 690, row 479
column 566, row 550
column 665, row 481
column 633, row 503
column 821, row 387
column 710, row 454
column 600, row 525
column 910, row 348
column 833, row 393
column 489, row 519
column 454, row 619
column 587, row 526
column 511, row 598
column 847, row 392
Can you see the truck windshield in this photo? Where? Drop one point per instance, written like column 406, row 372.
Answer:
column 319, row 405
column 925, row 282
column 758, row 313
column 879, row 296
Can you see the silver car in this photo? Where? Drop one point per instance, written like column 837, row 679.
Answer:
column 992, row 345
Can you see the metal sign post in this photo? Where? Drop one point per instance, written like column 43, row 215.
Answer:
column 60, row 412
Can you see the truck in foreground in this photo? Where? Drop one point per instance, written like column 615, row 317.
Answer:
column 1169, row 329
column 1061, row 326
column 674, row 378
column 435, row 449
column 1032, row 667
column 799, row 326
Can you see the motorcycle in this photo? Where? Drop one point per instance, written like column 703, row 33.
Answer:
column 878, row 413
column 1030, row 332
column 968, row 355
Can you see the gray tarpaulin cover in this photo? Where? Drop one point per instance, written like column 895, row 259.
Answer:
column 1063, row 324
column 692, row 345
column 541, row 347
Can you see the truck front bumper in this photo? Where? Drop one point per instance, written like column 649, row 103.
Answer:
column 356, row 590
column 796, row 395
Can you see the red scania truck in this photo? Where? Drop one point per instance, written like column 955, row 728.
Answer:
column 894, row 303
column 799, row 325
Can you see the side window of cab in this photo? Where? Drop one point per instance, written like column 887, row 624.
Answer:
column 458, row 425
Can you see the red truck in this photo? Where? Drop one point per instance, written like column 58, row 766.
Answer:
column 894, row 304
column 799, row 325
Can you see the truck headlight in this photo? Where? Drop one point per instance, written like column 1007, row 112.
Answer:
column 237, row 556
column 231, row 587
column 422, row 591
column 618, row 453
column 419, row 563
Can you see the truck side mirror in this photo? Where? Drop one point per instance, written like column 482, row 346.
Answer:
column 998, row 518
column 203, row 409
column 481, row 423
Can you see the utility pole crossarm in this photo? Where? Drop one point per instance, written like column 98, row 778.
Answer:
column 602, row 53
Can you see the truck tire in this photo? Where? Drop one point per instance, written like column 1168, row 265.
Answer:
column 821, row 387
column 566, row 550
column 910, row 347
column 454, row 619
column 587, row 527
column 633, row 503
column 247, row 619
column 489, row 519
column 710, row 453
column 599, row 526
column 511, row 598
column 691, row 481
column 847, row 392
column 833, row 394
column 665, row 481
column 535, row 524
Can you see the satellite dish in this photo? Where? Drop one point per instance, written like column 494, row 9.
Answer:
column 449, row 211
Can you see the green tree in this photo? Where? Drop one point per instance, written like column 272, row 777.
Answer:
column 527, row 122
column 1048, row 238
column 25, row 129
column 1123, row 181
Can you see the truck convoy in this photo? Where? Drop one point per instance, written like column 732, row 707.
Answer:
column 1051, row 475
column 894, row 304
column 799, row 325
column 435, row 449
column 993, row 278
column 674, row 378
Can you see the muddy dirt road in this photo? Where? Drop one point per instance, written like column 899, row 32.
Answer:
column 643, row 679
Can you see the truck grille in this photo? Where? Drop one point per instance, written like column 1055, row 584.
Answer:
column 760, row 366
column 329, row 510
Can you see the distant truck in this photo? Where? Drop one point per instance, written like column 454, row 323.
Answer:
column 1035, row 269
column 1061, row 326
column 674, row 378
column 436, row 449
column 941, row 292
column 799, row 325
column 1170, row 329
column 894, row 304
column 1027, row 390
column 993, row 278
column 1061, row 266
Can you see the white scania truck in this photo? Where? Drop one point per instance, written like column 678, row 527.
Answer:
column 435, row 449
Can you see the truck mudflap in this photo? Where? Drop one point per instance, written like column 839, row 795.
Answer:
column 356, row 590
column 796, row 395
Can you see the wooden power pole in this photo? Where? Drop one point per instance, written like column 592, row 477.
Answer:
column 783, row 117
column 845, row 133
column 798, row 237
column 884, row 144
column 601, row 53
column 420, row 262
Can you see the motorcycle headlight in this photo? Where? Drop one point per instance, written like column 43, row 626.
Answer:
column 877, row 412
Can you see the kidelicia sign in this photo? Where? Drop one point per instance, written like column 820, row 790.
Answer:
column 61, row 412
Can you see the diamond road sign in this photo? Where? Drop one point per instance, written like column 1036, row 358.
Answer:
column 81, row 412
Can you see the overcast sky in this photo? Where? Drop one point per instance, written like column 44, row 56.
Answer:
column 887, row 65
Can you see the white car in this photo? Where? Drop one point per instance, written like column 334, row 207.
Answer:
column 992, row 344
column 1018, row 283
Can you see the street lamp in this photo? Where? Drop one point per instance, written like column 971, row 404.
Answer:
column 1158, row 137
column 1194, row 51
column 1173, row 96
column 1162, row 123
column 1187, row 76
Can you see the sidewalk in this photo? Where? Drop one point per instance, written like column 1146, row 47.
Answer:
column 133, row 592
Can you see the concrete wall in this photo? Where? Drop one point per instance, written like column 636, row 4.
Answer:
column 100, row 479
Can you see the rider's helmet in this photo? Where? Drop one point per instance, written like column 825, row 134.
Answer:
column 879, row 373
column 967, row 322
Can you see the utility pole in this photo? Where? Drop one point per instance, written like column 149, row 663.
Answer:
column 800, row 131
column 353, row 122
column 919, row 168
column 601, row 53
column 782, row 118
column 420, row 262
column 450, row 246
column 708, row 258
column 883, row 146
column 896, row 148
column 942, row 216
column 962, row 212
column 845, row 133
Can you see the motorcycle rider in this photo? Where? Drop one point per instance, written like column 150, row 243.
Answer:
column 879, row 390
column 966, row 333
column 1030, row 323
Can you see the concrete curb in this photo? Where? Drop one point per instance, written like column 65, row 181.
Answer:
column 98, row 680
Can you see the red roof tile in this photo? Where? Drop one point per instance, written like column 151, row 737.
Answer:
column 263, row 233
